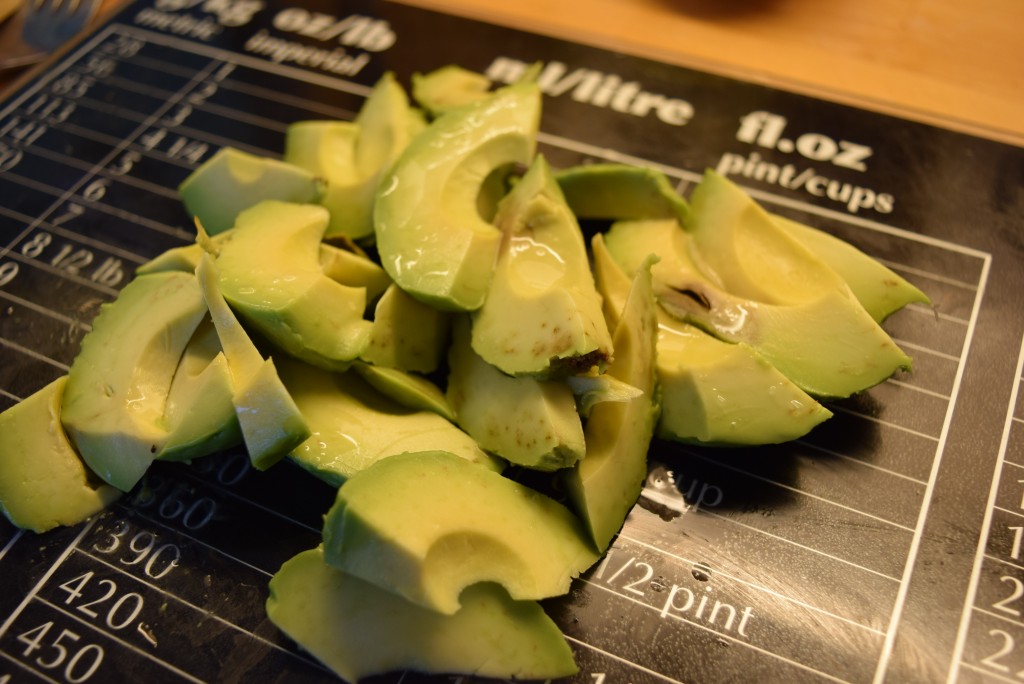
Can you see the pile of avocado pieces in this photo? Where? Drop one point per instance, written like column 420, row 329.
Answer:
column 709, row 321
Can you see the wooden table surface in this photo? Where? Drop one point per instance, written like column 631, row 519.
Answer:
column 957, row 63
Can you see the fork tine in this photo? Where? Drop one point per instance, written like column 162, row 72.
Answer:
column 51, row 23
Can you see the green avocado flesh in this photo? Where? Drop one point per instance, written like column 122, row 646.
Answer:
column 270, row 422
column 713, row 392
column 431, row 237
column 115, row 399
column 542, row 312
column 528, row 421
column 620, row 192
column 805, row 320
column 448, row 88
column 200, row 413
column 408, row 389
column 407, row 334
column 352, row 156
column 604, row 486
column 232, row 180
column 359, row 630
column 43, row 482
column 352, row 425
column 427, row 525
column 879, row 290
column 270, row 273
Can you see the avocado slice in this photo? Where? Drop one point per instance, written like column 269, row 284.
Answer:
column 352, row 156
column 427, row 525
column 359, row 630
column 354, row 269
column 408, row 389
column 594, row 388
column 880, row 291
column 542, row 314
column 447, row 88
column 342, row 265
column 431, row 237
column 621, row 192
column 115, row 399
column 407, row 334
column 270, row 422
column 806, row 322
column 529, row 421
column 43, row 481
column 270, row 272
column 604, row 485
column 232, row 180
column 200, row 415
column 352, row 425
column 712, row 392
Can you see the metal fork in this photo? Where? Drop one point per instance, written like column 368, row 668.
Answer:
column 51, row 23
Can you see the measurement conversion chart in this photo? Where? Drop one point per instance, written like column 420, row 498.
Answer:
column 885, row 546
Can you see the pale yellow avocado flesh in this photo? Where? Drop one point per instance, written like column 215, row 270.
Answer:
column 43, row 482
column 233, row 180
column 358, row 630
column 542, row 314
column 431, row 237
column 270, row 422
column 718, row 393
column 407, row 334
column 408, row 389
column 200, row 414
column 115, row 399
column 820, row 337
column 352, row 155
column 353, row 270
column 448, row 88
column 427, row 525
column 620, row 192
column 880, row 290
column 352, row 425
column 712, row 392
column 604, row 485
column 528, row 421
column 270, row 272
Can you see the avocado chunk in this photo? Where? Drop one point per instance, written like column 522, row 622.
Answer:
column 200, row 414
column 529, row 421
column 621, row 192
column 352, row 155
column 359, row 630
column 407, row 334
column 447, row 88
column 232, row 180
column 431, row 237
column 43, row 481
column 604, row 485
column 733, row 273
column 270, row 272
column 114, row 402
column 427, row 525
column 723, row 394
column 354, row 269
column 405, row 388
column 270, row 422
column 352, row 425
column 879, row 290
column 712, row 392
column 542, row 314
column 594, row 388
column 342, row 265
